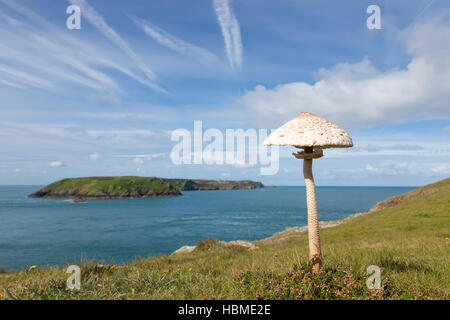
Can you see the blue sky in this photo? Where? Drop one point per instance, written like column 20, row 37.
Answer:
column 103, row 100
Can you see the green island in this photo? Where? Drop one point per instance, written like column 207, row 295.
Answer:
column 407, row 236
column 133, row 187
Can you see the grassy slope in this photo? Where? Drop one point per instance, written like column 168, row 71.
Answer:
column 408, row 240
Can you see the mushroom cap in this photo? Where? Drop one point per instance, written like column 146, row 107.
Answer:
column 309, row 130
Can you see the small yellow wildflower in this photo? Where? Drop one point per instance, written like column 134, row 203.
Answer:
column 112, row 267
column 2, row 295
column 32, row 267
column 56, row 298
column 446, row 238
column 146, row 284
column 190, row 269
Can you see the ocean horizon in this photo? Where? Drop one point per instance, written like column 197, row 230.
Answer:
column 56, row 232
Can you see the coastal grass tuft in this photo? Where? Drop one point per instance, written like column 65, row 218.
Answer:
column 208, row 244
column 407, row 239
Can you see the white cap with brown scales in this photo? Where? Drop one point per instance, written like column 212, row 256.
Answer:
column 309, row 130
column 311, row 133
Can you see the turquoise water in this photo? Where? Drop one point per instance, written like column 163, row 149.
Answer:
column 55, row 232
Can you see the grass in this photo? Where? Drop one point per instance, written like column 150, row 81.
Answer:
column 407, row 239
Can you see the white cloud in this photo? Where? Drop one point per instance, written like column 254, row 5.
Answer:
column 100, row 24
column 17, row 170
column 357, row 95
column 95, row 156
column 415, row 147
column 158, row 155
column 138, row 161
column 394, row 168
column 447, row 129
column 405, row 168
column 373, row 169
column 24, row 77
column 174, row 43
column 11, row 84
column 56, row 164
column 63, row 59
column 24, row 139
column 441, row 168
column 142, row 156
column 231, row 32
column 112, row 132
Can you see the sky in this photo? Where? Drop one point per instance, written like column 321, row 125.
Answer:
column 105, row 99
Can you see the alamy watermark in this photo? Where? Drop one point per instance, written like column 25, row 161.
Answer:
column 74, row 20
column 373, row 282
column 74, row 281
column 236, row 147
column 374, row 20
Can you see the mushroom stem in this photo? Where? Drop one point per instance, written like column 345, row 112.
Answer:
column 315, row 255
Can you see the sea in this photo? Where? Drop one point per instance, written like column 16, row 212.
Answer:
column 58, row 232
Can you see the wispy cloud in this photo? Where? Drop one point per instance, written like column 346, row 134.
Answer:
column 56, row 164
column 24, row 77
column 64, row 59
column 424, row 9
column 143, row 156
column 405, row 168
column 441, row 168
column 11, row 84
column 31, row 135
column 99, row 22
column 138, row 161
column 172, row 42
column 231, row 32
column 95, row 156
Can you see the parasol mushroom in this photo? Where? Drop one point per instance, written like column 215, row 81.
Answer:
column 312, row 134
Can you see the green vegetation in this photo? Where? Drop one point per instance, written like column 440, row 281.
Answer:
column 133, row 187
column 188, row 184
column 107, row 188
column 408, row 240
